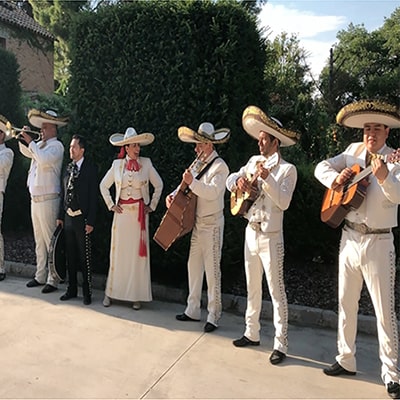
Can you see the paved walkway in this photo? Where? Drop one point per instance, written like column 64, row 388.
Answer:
column 55, row 350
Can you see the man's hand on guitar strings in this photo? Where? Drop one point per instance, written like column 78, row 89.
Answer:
column 187, row 177
column 343, row 177
column 379, row 169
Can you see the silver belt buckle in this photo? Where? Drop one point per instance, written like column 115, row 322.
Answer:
column 256, row 226
column 72, row 213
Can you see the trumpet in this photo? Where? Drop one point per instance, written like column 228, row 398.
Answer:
column 13, row 132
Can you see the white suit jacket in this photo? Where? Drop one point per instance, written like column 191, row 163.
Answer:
column 6, row 162
column 379, row 208
column 146, row 174
column 210, row 188
column 276, row 192
column 45, row 170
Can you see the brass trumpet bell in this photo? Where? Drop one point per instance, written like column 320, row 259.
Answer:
column 13, row 132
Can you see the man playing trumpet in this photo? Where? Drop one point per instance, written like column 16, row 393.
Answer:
column 44, row 186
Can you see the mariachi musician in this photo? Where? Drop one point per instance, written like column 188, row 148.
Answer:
column 77, row 214
column 207, row 235
column 44, row 186
column 367, row 252
column 6, row 162
column 264, row 248
column 132, row 176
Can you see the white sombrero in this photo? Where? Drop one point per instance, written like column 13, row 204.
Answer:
column 356, row 114
column 255, row 120
column 205, row 134
column 37, row 118
column 131, row 136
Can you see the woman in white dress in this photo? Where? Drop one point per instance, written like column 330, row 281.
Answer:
column 129, row 272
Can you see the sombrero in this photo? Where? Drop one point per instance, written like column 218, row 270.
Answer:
column 205, row 134
column 37, row 118
column 131, row 136
column 356, row 114
column 255, row 120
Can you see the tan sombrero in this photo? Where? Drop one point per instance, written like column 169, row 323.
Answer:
column 205, row 134
column 131, row 136
column 37, row 118
column 255, row 120
column 356, row 114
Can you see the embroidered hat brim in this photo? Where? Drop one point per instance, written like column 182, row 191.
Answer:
column 118, row 139
column 357, row 114
column 218, row 136
column 37, row 118
column 255, row 120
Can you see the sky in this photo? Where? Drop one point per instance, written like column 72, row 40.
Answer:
column 316, row 22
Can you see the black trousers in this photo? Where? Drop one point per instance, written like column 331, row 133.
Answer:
column 78, row 251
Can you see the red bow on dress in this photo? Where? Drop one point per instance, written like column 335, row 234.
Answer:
column 132, row 165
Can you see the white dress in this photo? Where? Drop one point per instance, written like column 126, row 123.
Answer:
column 129, row 274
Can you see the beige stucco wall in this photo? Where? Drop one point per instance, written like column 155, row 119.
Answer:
column 36, row 64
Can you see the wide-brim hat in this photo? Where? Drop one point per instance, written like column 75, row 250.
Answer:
column 37, row 118
column 205, row 134
column 356, row 114
column 255, row 120
column 131, row 136
column 4, row 128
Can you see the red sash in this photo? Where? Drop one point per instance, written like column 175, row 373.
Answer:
column 142, row 221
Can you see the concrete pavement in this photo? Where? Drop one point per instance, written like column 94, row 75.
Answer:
column 51, row 350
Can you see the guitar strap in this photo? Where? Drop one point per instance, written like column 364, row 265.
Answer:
column 206, row 168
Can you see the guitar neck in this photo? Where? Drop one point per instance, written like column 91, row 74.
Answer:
column 367, row 171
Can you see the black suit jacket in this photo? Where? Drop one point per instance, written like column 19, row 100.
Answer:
column 86, row 188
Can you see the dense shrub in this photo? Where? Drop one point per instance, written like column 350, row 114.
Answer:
column 203, row 62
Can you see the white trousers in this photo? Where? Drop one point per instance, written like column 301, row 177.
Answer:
column 369, row 258
column 44, row 215
column 264, row 252
column 2, row 269
column 205, row 256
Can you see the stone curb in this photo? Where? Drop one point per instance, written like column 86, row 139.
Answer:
column 299, row 315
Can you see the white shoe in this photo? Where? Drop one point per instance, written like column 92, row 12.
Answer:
column 136, row 305
column 106, row 301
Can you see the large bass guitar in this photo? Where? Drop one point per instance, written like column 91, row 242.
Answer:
column 338, row 202
column 180, row 216
column 242, row 201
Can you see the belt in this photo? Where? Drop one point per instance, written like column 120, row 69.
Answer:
column 364, row 229
column 44, row 197
column 73, row 213
column 256, row 226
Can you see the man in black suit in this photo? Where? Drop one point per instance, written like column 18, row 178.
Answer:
column 77, row 214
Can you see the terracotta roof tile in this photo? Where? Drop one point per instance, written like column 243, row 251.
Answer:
column 13, row 15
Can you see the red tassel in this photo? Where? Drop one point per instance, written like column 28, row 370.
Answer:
column 121, row 153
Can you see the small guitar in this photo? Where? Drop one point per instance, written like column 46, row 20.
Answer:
column 338, row 202
column 242, row 201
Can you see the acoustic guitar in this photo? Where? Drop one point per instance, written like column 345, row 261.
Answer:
column 242, row 201
column 338, row 202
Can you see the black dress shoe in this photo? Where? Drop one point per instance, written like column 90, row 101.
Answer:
column 48, row 288
column 184, row 317
column 2, row 276
column 277, row 357
column 33, row 283
column 336, row 369
column 209, row 327
column 393, row 389
column 68, row 295
column 244, row 341
column 87, row 300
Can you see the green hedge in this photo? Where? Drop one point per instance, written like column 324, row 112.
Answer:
column 156, row 66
